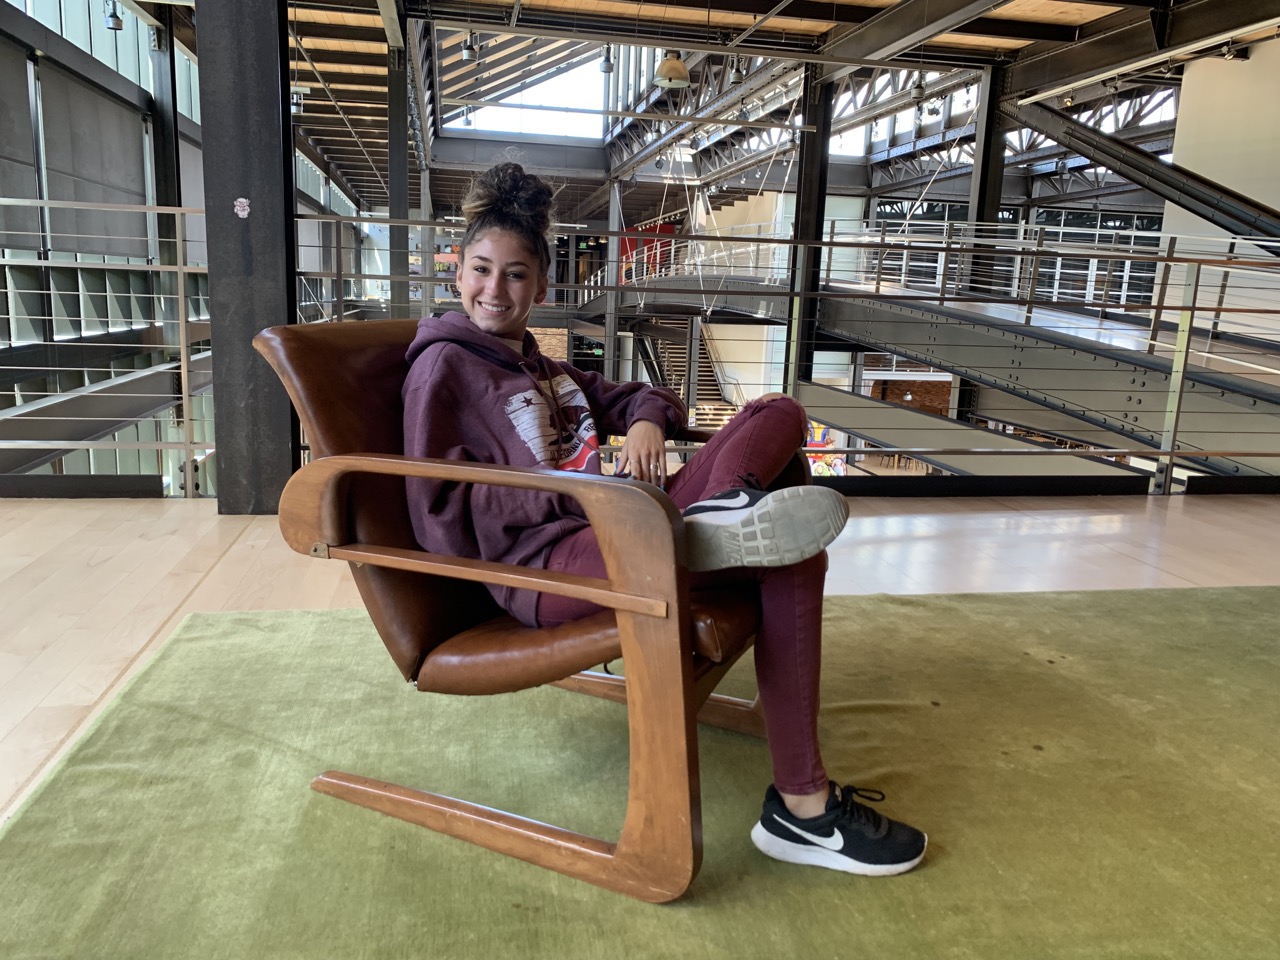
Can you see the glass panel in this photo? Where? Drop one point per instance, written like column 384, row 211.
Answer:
column 48, row 13
column 75, row 22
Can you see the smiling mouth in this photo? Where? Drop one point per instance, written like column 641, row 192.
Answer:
column 494, row 307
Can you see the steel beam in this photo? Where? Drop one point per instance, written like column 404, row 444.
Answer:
column 1233, row 212
column 1133, row 40
column 902, row 27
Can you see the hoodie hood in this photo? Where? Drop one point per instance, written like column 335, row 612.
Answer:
column 455, row 327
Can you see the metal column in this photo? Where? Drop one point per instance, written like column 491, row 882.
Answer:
column 612, row 274
column 986, row 185
column 810, row 214
column 252, row 239
column 398, row 178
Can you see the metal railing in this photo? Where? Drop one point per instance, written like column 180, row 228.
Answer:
column 107, row 361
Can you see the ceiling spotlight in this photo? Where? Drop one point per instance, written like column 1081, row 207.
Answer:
column 112, row 17
column 918, row 92
column 671, row 73
column 735, row 73
column 1069, row 100
column 466, row 116
column 907, row 396
column 657, row 164
column 470, row 47
column 1228, row 52
column 606, row 62
column 1061, row 167
column 743, row 112
column 295, row 102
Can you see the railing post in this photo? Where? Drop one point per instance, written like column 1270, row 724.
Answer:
column 1158, row 312
column 1162, row 481
column 1222, row 293
column 880, row 258
column 339, row 291
column 946, row 263
column 831, row 250
column 184, row 360
column 1106, row 287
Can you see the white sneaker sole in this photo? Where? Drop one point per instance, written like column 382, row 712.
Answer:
column 808, row 856
column 786, row 527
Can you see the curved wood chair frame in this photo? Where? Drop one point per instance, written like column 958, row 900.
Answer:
column 667, row 689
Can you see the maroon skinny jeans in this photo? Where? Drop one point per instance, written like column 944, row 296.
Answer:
column 751, row 449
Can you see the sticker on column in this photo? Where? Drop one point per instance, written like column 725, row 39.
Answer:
column 242, row 208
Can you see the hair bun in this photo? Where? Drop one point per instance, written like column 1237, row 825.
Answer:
column 506, row 194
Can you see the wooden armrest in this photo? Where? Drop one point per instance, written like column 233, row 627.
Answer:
column 694, row 434
column 635, row 526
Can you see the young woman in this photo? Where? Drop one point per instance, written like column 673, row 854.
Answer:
column 479, row 390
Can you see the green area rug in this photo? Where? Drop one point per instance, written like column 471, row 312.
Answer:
column 1098, row 773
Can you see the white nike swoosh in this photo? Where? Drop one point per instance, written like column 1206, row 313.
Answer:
column 740, row 500
column 834, row 842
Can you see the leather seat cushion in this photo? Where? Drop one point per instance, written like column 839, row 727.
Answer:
column 502, row 654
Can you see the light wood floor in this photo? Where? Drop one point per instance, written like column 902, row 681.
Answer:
column 89, row 589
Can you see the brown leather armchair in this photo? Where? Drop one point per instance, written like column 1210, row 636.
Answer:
column 446, row 634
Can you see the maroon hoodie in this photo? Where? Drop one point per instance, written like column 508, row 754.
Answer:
column 470, row 397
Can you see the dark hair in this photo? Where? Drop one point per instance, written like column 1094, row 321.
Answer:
column 504, row 197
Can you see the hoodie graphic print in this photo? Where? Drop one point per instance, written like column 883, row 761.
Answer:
column 559, row 430
column 469, row 396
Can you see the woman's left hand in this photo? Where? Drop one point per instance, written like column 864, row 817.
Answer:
column 644, row 454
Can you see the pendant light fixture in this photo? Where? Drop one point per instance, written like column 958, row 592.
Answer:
column 470, row 48
column 112, row 17
column 606, row 62
column 671, row 73
column 735, row 72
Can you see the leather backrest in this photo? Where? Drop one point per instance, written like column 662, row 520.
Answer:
column 344, row 380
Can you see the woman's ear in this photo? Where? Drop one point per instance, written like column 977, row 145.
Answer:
column 541, row 295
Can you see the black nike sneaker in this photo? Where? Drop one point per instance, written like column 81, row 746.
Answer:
column 754, row 528
column 849, row 836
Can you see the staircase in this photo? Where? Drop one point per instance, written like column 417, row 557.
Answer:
column 668, row 365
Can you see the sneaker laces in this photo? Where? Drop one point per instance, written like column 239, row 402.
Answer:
column 862, row 815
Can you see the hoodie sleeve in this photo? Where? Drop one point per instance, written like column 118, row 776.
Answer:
column 616, row 406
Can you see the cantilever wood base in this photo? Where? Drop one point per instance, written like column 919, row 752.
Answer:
column 718, row 710
column 621, row 867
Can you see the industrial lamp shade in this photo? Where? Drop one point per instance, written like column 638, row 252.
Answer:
column 606, row 62
column 671, row 72
column 470, row 48
column 112, row 17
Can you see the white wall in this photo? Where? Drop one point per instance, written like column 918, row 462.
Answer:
column 1229, row 131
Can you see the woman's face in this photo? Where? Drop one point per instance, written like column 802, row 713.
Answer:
column 500, row 281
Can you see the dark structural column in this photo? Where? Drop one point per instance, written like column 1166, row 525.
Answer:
column 612, row 278
column 165, row 161
column 398, row 177
column 986, row 185
column 811, row 195
column 249, row 204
